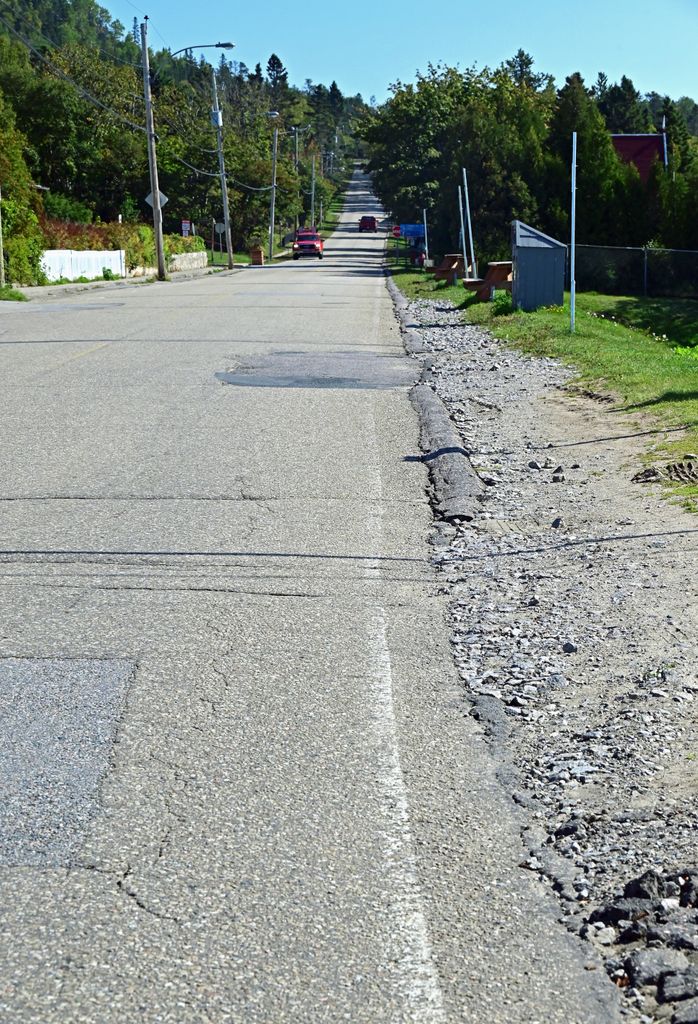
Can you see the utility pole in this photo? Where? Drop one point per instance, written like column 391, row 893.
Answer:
column 312, row 197
column 321, row 213
column 217, row 119
column 2, row 251
column 295, row 164
column 272, row 210
column 152, row 156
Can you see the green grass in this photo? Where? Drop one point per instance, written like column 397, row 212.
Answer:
column 418, row 284
column 673, row 319
column 220, row 259
column 636, row 365
column 8, row 294
column 331, row 215
column 624, row 347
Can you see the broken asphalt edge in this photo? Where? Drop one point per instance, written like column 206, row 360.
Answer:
column 457, row 495
column 457, row 488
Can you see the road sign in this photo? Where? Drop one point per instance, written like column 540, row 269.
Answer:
column 186, row 228
column 412, row 230
column 220, row 229
column 396, row 231
column 163, row 199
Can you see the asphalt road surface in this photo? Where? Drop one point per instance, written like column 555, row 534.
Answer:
column 238, row 781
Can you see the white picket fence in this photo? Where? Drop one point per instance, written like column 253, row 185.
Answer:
column 69, row 264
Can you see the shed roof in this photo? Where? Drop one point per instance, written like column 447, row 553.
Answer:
column 526, row 237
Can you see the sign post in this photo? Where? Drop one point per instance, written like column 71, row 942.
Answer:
column 462, row 232
column 469, row 222
column 573, row 237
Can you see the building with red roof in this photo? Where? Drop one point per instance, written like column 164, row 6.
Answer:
column 642, row 150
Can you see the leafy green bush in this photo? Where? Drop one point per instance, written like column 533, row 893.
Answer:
column 176, row 244
column 23, row 254
column 501, row 304
column 65, row 208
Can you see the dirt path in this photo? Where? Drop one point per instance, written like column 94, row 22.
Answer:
column 573, row 617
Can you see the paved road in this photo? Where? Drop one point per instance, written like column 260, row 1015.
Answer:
column 238, row 781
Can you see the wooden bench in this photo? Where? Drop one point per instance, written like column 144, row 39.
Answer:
column 499, row 275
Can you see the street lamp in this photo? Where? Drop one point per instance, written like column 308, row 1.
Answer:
column 272, row 206
column 205, row 46
column 150, row 134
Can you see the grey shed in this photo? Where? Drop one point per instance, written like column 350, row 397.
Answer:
column 539, row 268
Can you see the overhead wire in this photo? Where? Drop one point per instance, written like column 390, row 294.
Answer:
column 95, row 101
column 92, row 49
column 85, row 93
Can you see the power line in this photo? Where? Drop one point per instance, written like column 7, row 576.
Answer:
column 91, row 49
column 229, row 177
column 66, row 78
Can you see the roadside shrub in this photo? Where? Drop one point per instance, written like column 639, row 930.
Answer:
column 64, row 208
column 8, row 294
column 501, row 304
column 175, row 244
column 137, row 240
column 23, row 254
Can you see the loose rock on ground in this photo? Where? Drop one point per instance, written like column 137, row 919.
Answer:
column 572, row 626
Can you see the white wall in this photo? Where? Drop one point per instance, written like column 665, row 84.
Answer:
column 73, row 263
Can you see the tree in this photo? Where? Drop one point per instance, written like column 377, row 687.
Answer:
column 623, row 108
column 681, row 154
column 20, row 204
column 520, row 69
column 277, row 76
column 599, row 171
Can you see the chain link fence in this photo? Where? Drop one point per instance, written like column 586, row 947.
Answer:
column 655, row 273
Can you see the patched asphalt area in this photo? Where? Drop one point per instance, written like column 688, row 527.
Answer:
column 59, row 719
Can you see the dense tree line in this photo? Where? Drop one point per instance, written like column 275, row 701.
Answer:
column 73, row 146
column 512, row 130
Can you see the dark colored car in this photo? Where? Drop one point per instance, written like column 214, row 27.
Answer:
column 308, row 243
column 368, row 224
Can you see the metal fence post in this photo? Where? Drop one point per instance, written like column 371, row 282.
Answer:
column 645, row 274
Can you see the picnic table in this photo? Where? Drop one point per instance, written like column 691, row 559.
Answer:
column 498, row 275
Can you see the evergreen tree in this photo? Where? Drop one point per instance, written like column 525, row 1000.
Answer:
column 623, row 108
column 598, row 167
column 681, row 155
column 277, row 77
column 520, row 69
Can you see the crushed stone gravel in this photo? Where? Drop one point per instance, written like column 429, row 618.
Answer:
column 572, row 619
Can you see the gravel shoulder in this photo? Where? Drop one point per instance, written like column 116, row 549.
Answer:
column 572, row 621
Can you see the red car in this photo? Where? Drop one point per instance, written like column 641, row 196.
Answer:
column 308, row 243
column 368, row 224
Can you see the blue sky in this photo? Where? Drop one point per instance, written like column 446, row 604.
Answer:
column 367, row 44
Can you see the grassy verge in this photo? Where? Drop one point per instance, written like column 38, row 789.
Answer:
column 220, row 259
column 642, row 352
column 645, row 371
column 8, row 294
column 673, row 320
column 330, row 216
